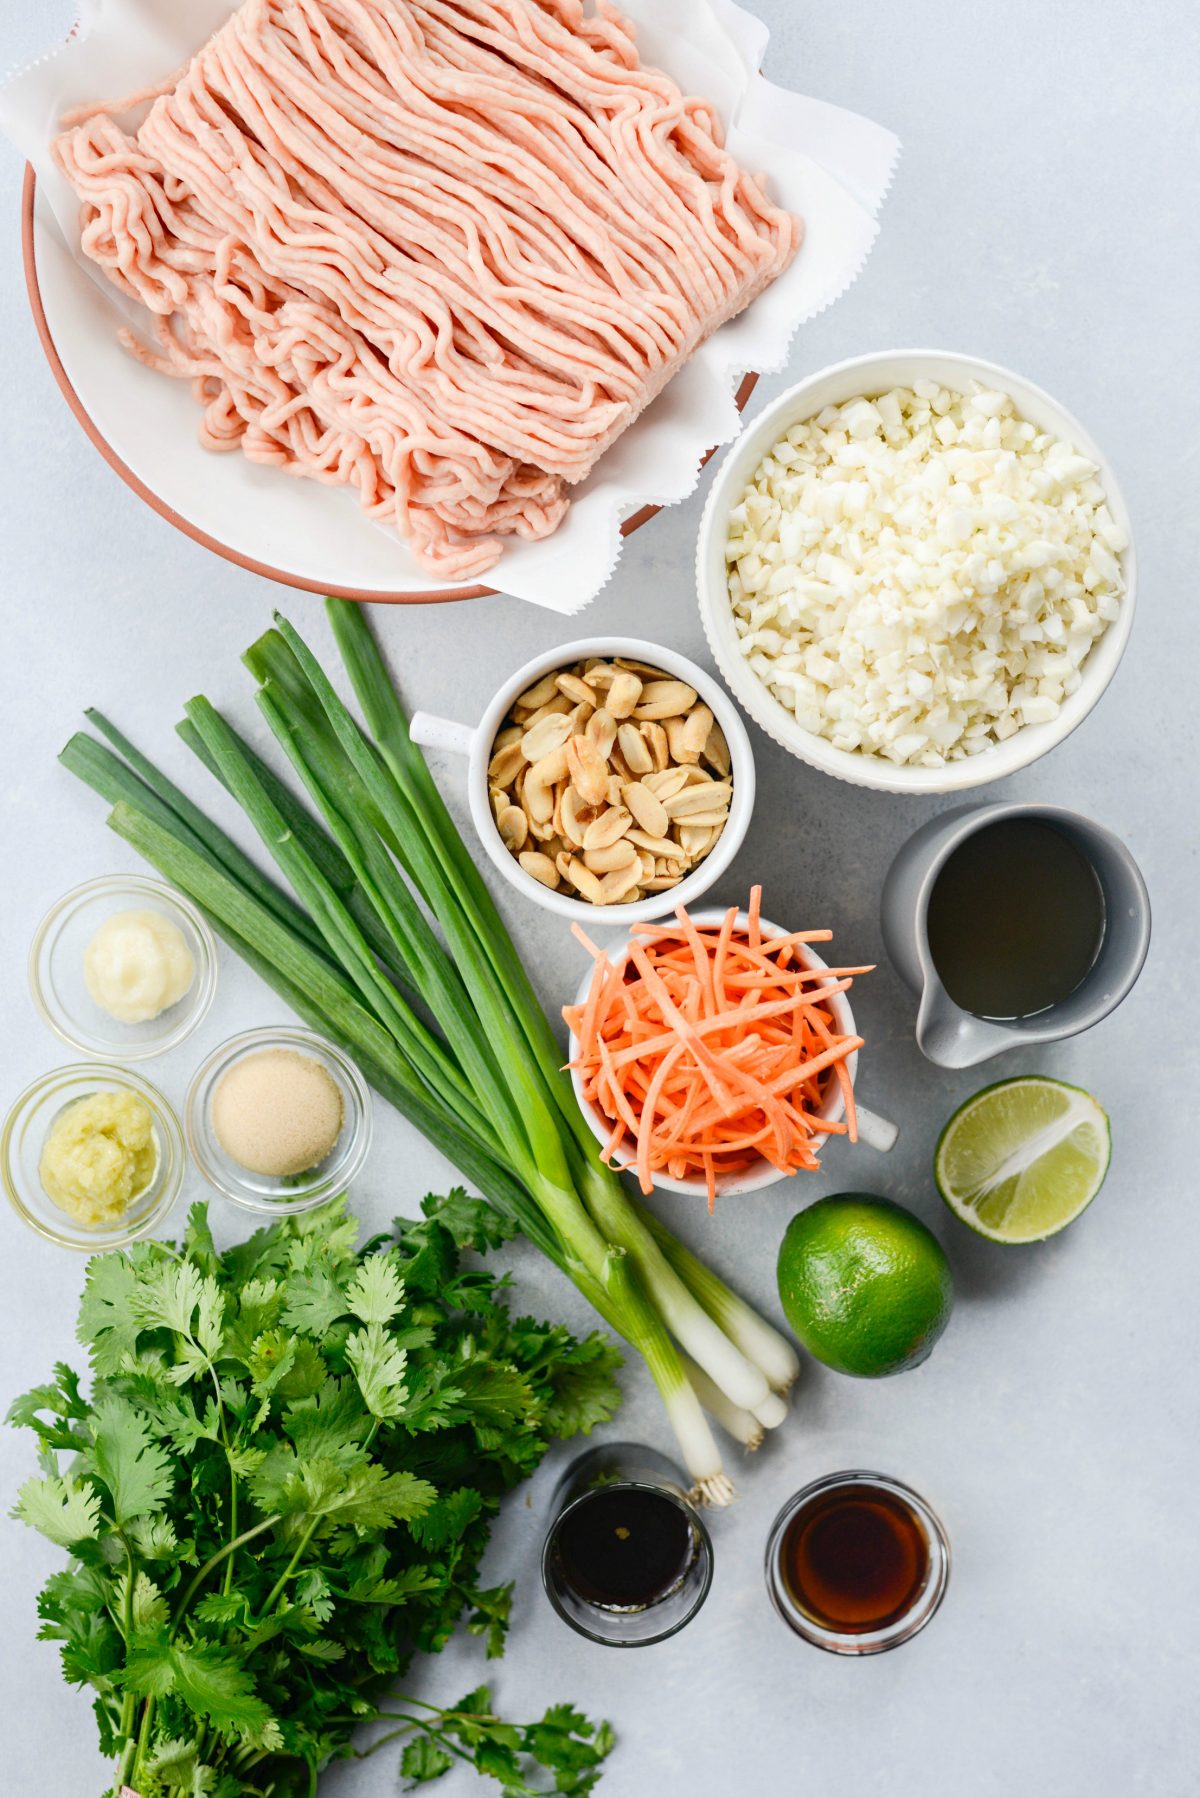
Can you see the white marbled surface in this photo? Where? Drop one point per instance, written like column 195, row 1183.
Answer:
column 1043, row 215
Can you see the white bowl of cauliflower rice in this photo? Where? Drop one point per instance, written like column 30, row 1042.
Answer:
column 916, row 571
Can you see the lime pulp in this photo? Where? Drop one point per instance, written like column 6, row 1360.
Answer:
column 1021, row 1159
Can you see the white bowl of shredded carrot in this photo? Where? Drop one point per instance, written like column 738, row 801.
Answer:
column 715, row 1053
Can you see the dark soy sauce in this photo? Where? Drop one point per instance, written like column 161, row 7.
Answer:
column 854, row 1559
column 1016, row 919
column 624, row 1547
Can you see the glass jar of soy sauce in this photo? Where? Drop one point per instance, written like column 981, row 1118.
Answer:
column 627, row 1559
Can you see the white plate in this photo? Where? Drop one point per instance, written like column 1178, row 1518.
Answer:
column 298, row 532
column 830, row 166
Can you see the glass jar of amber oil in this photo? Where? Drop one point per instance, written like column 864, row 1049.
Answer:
column 857, row 1563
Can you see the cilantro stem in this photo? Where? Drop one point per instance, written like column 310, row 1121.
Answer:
column 127, row 1607
column 129, row 1702
column 408, row 1724
column 301, row 1549
column 227, row 1582
column 143, row 1741
column 199, row 1578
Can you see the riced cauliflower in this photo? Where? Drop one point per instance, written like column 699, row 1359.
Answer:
column 919, row 575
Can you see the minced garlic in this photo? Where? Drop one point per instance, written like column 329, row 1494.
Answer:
column 138, row 965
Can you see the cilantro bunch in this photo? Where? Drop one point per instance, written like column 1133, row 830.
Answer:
column 279, row 1493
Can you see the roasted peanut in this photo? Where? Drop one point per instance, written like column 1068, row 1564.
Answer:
column 541, row 691
column 716, row 752
column 547, row 735
column 687, row 736
column 621, row 881
column 513, row 827
column 575, row 817
column 540, row 866
column 624, row 694
column 540, row 782
column 705, row 796
column 666, row 784
column 694, row 840
column 664, row 699
column 586, row 770
column 602, row 731
column 584, row 881
column 614, row 855
column 650, row 814
column 607, row 828
column 576, row 690
column 506, row 764
column 635, row 749
column 660, row 749
column 596, row 780
column 653, row 845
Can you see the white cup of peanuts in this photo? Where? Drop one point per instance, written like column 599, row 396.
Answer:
column 628, row 807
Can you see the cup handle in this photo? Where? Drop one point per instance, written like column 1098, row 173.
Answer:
column 878, row 1133
column 432, row 732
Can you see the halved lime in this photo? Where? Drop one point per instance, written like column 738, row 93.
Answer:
column 1021, row 1159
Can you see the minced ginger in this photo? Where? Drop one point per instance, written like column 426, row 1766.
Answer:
column 99, row 1155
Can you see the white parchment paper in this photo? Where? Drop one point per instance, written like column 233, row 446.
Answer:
column 830, row 166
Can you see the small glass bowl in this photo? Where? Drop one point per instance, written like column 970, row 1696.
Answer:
column 293, row 1192
column 27, row 1126
column 56, row 968
column 922, row 1604
column 629, row 1467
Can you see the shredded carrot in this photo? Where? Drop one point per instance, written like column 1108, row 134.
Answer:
column 710, row 1049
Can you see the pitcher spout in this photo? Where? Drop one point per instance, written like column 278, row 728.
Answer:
column 953, row 1038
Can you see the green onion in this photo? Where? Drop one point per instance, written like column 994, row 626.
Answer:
column 440, row 1015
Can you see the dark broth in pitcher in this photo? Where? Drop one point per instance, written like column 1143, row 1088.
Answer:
column 1016, row 919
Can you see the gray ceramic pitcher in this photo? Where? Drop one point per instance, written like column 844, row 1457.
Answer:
column 954, row 1038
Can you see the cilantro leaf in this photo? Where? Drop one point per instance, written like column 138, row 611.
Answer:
column 108, row 1326
column 423, row 1760
column 490, row 1617
column 169, row 1296
column 340, row 1413
column 331, row 1424
column 176, row 1765
column 147, row 1606
column 124, row 1454
column 472, row 1223
column 376, row 1292
column 448, row 1519
column 210, row 1682
column 154, row 1539
column 372, row 1499
column 334, row 1229
column 66, row 1512
column 583, row 1387
column 378, row 1366
column 313, row 1299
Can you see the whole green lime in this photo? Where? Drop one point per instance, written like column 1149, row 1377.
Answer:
column 865, row 1286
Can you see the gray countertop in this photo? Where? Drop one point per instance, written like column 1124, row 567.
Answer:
column 1043, row 215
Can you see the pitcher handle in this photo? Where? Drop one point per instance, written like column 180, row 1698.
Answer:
column 878, row 1133
column 432, row 732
